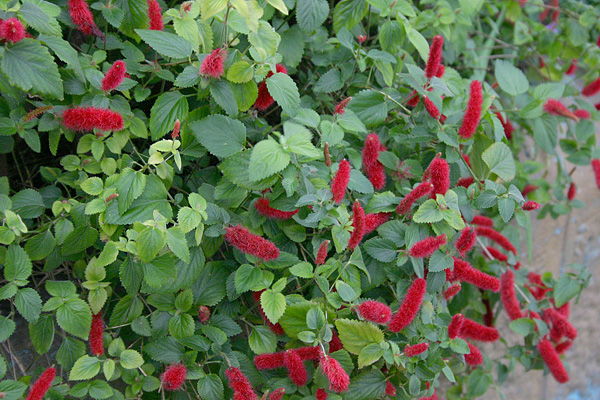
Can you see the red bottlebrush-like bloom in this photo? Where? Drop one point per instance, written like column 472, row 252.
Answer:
column 582, row 114
column 370, row 159
column 296, row 371
column 591, row 88
column 321, row 394
column 435, row 56
column 413, row 99
column 213, row 64
column 508, row 295
column 441, row 71
column 465, row 182
column 373, row 221
column 482, row 220
column 562, row 348
column 269, row 361
column 173, row 377
column 596, row 168
column 89, row 118
column 539, row 290
column 338, row 378
column 410, row 306
column 431, row 108
column 155, row 16
column 203, row 314
column 242, row 389
column 41, row 386
column 341, row 107
column 427, row 246
column 176, row 130
column 528, row 189
column 562, row 325
column 422, row 190
column 455, row 325
column 275, row 328
column 463, row 271
column 81, row 16
column 497, row 237
column 358, row 222
column 335, row 343
column 466, row 240
column 264, row 99
column 390, row 389
column 555, row 107
column 247, row 242
column 340, row 181
column 277, row 395
column 452, row 291
column 565, row 309
column 416, row 349
column 473, row 112
column 361, row 39
column 263, row 208
column 552, row 361
column 374, row 311
column 530, row 206
column 475, row 331
column 12, row 30
column 474, row 358
column 96, row 331
column 439, row 176
column 572, row 68
column 507, row 125
column 309, row 353
column 114, row 76
column 572, row 191
column 322, row 253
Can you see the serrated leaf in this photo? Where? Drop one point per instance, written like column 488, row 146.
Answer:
column 268, row 158
column 221, row 135
column 75, row 317
column 131, row 359
column 29, row 304
column 85, row 368
column 311, row 14
column 169, row 107
column 285, row 92
column 41, row 333
column 355, row 335
column 273, row 305
column 210, row 387
column 499, row 159
column 510, row 78
column 369, row 354
column 262, row 340
column 17, row 265
column 166, row 44
column 428, row 212
column 240, row 72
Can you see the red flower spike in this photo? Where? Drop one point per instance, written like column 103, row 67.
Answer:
column 114, row 76
column 263, row 208
column 264, row 99
column 81, row 16
column 340, row 181
column 562, row 325
column 455, row 325
column 530, row 206
column 321, row 394
column 592, row 88
column 582, row 114
column 465, row 182
column 277, row 395
column 410, row 306
column 361, row 39
column 203, row 314
column 474, row 358
column 390, row 389
column 176, row 130
column 452, row 291
column 466, row 240
column 155, row 16
column 439, row 176
column 309, row 353
column 335, row 344
column 435, row 56
column 322, row 253
column 528, row 189
column 420, row 191
column 539, row 290
column 564, row 310
column 475, row 331
column 374, row 311
column 370, row 159
column 89, row 118
column 508, row 295
column 473, row 112
column 247, row 242
column 441, row 71
column 563, row 347
column 596, row 168
column 12, row 30
column 95, row 338
column 275, row 328
column 296, row 371
column 413, row 99
column 552, row 361
column 373, row 221
column 416, row 349
column 463, row 271
column 213, row 64
column 507, row 125
column 338, row 378
column 173, row 377
column 482, row 220
column 242, row 389
column 434, row 396
column 341, row 107
column 427, row 246
column 555, row 107
column 496, row 254
column 269, row 361
column 431, row 108
column 496, row 237
column 41, row 386
column 358, row 222
column 572, row 68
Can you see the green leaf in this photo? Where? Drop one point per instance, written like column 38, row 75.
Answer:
column 41, row 333
column 369, row 354
column 39, row 20
column 211, row 387
column 181, row 326
column 285, row 92
column 222, row 92
column 100, row 390
column 70, row 350
column 311, row 14
column 565, row 289
column 141, row 326
column 246, row 277
column 29, row 304
column 166, row 44
column 7, row 327
column 63, row 50
column 459, row 346
column 85, row 368
column 355, row 335
column 165, row 350
column 17, row 264
column 420, row 43
column 348, row 13
column 75, row 317
column 131, row 359
column 440, row 261
column 93, row 186
column 169, row 107
column 273, row 305
column 29, row 66
column 264, row 40
column 160, row 271
column 302, row 270
column 522, row 326
column 383, row 250
column 330, row 81
column 237, row 169
column 211, row 7
column 268, row 157
column 279, row 5
column 292, row 46
column 429, row 212
column 12, row 390
column 130, row 185
column 478, row 383
column 499, row 159
column 506, row 206
column 262, row 340
column 510, row 78
column 149, row 242
column 28, row 203
column 209, row 288
column 370, row 107
column 221, row 135
column 366, row 386
column 79, row 239
column 240, row 72
column 178, row 244
column 293, row 320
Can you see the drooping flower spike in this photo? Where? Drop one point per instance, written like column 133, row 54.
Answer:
column 370, row 159
column 374, row 311
column 530, row 206
column 475, row 331
column 340, row 108
column 277, row 394
column 95, row 337
column 496, row 237
column 41, row 386
column 410, row 306
column 552, row 361
column 247, row 242
column 155, row 16
column 466, row 240
column 560, row 323
column 374, row 220
column 592, row 88
column 296, row 370
column 322, row 253
column 416, row 349
column 340, row 181
column 321, row 394
column 431, row 108
column 422, row 190
column 242, row 389
column 439, row 176
column 596, row 168
column 114, row 76
column 338, row 378
column 263, row 208
column 427, row 246
column 473, row 111
column 582, row 114
column 555, row 107
column 435, row 56
column 85, row 119
column 474, row 358
column 213, row 64
column 80, row 13
column 452, row 291
column 455, row 325
column 528, row 189
column 482, row 220
column 508, row 296
column 358, row 223
column 464, row 272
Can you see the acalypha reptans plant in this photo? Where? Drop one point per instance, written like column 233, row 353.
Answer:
column 288, row 199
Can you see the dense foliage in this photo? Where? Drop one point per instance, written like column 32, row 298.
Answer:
column 294, row 199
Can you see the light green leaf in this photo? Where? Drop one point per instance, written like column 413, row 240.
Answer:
column 499, row 159
column 268, row 158
column 166, row 44
column 311, row 14
column 149, row 242
column 131, row 359
column 369, row 354
column 262, row 340
column 273, row 305
column 285, row 92
column 221, row 135
column 565, row 289
column 510, row 78
column 240, row 72
column 178, row 244
column 75, row 317
column 355, row 335
column 85, row 368
column 428, row 212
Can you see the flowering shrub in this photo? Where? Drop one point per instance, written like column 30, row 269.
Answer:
column 288, row 199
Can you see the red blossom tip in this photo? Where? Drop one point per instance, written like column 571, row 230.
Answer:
column 85, row 119
column 455, row 325
column 592, row 88
column 81, row 16
column 466, row 240
column 475, row 331
column 374, row 311
column 95, row 338
column 176, row 130
column 482, row 220
column 361, row 39
column 413, row 99
column 322, row 253
column 155, row 16
column 173, row 377
column 473, row 112
column 390, row 389
column 427, row 246
column 12, row 30
column 41, row 386
column 358, row 222
column 277, row 394
column 247, row 242
column 508, row 296
column 555, row 107
column 435, row 56
column 416, row 349
column 213, row 64
column 528, row 189
column 452, row 291
column 431, row 108
column 340, row 181
column 373, row 221
column 321, row 394
column 464, row 271
column 507, row 125
column 496, row 237
column 552, row 361
column 338, row 378
column 269, row 361
column 582, row 114
column 530, row 206
column 114, row 76
column 263, row 208
column 423, row 189
column 203, row 314
column 242, row 389
column 596, row 168
column 341, row 107
column 572, row 191
column 474, row 358
column 370, row 159
column 296, row 370
column 410, row 306
column 572, row 67
column 335, row 344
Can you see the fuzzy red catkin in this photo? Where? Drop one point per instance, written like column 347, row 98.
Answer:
column 582, row 114
column 565, row 309
column 530, row 206
column 390, row 389
column 416, row 349
column 452, row 291
column 340, row 181
column 427, row 246
column 475, row 331
column 155, row 16
column 572, row 67
column 562, row 325
column 322, row 253
column 247, row 242
column 435, row 56
column 374, row 311
column 596, row 168
column 263, row 208
column 358, row 222
column 370, row 159
column 269, row 361
column 176, row 130
column 309, row 353
column 455, row 325
column 338, row 378
column 114, row 76
column 275, row 328
column 439, row 176
column 466, row 240
column 563, row 347
column 95, row 338
column 173, row 377
column 85, row 119
column 591, row 88
column 203, row 314
column 296, row 370
column 555, row 107
column 508, row 295
column 528, row 189
column 264, row 99
column 473, row 111
column 340, row 108
column 465, row 182
column 12, row 30
column 241, row 386
column 213, row 64
column 539, row 290
column 464, row 271
column 496, row 237
column 321, row 394
column 277, row 394
column 552, row 361
column 335, row 343
column 474, row 358
column 431, row 108
column 81, row 16
column 413, row 99
column 423, row 189
column 507, row 125
column 410, row 306
column 374, row 220
column 482, row 220
column 495, row 253
column 441, row 71
column 41, row 386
